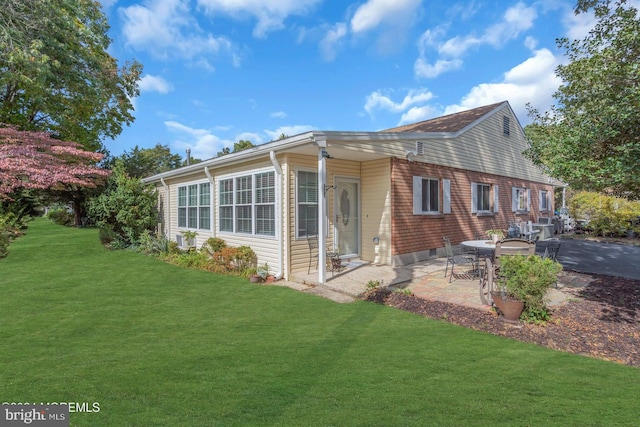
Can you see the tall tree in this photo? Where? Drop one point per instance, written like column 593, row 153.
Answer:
column 238, row 146
column 56, row 74
column 591, row 138
column 142, row 162
column 34, row 160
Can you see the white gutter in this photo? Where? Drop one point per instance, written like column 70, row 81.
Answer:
column 168, row 209
column 278, row 213
column 206, row 172
column 291, row 142
column 211, row 202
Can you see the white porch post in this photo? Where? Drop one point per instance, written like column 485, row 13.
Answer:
column 322, row 211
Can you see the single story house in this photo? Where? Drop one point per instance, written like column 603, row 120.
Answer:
column 385, row 197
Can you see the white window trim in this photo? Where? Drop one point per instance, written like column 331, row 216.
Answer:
column 547, row 199
column 198, row 205
column 444, row 196
column 495, row 203
column 295, row 200
column 252, row 173
column 514, row 200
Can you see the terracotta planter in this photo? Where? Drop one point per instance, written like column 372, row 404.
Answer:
column 270, row 279
column 509, row 308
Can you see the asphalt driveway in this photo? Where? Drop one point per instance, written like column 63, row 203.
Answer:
column 587, row 256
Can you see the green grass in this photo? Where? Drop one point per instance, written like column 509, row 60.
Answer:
column 157, row 345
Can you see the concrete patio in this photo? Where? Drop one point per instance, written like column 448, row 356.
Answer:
column 424, row 279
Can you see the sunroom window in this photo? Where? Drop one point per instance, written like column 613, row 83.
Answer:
column 194, row 206
column 247, row 204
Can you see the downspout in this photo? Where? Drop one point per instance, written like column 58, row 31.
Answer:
column 211, row 214
column 278, row 213
column 168, row 208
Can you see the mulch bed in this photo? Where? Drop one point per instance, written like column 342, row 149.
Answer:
column 602, row 321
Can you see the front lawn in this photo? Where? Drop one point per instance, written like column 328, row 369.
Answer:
column 158, row 345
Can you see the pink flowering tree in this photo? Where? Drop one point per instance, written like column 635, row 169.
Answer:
column 35, row 160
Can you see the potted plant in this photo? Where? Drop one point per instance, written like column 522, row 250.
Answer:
column 253, row 275
column 263, row 272
column 495, row 234
column 521, row 286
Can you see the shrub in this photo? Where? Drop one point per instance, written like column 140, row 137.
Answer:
column 61, row 216
column 5, row 239
column 528, row 278
column 106, row 235
column 213, row 245
column 152, row 245
column 127, row 207
column 234, row 260
column 607, row 215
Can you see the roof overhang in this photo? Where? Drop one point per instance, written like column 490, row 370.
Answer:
column 355, row 146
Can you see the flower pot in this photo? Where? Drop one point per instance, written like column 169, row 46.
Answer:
column 254, row 278
column 270, row 279
column 510, row 308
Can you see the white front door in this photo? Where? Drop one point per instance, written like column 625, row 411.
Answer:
column 347, row 216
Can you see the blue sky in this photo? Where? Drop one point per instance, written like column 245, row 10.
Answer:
column 217, row 71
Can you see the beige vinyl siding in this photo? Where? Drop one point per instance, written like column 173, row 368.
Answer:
column 299, row 255
column 172, row 210
column 482, row 148
column 376, row 211
column 266, row 247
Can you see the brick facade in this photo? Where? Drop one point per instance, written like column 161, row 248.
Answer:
column 416, row 233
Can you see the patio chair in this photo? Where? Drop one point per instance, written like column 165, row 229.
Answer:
column 551, row 251
column 312, row 241
column 457, row 258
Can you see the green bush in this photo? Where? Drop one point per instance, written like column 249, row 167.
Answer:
column 61, row 216
column 152, row 245
column 607, row 215
column 5, row 239
column 528, row 278
column 127, row 207
column 213, row 245
column 106, row 235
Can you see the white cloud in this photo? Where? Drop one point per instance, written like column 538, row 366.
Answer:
column 167, row 29
column 429, row 71
column 202, row 143
column 287, row 130
column 578, row 26
column 418, row 114
column 279, row 115
column 388, row 12
column 249, row 136
column 515, row 21
column 149, row 83
column 331, row 41
column 270, row 14
column 106, row 4
column 532, row 81
column 378, row 101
